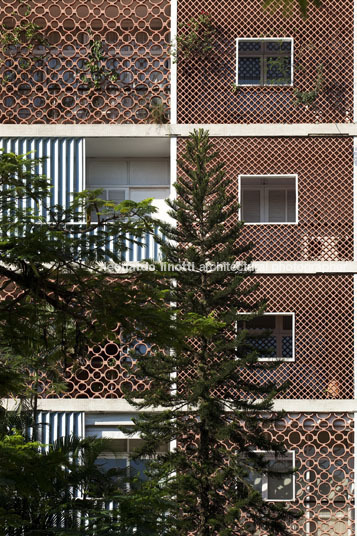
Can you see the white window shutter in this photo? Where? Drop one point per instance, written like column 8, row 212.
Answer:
column 251, row 206
column 277, row 206
column 291, row 208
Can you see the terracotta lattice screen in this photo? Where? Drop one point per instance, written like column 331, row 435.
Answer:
column 324, row 459
column 321, row 447
column 46, row 78
column 322, row 42
column 324, row 169
column 323, row 309
column 323, row 366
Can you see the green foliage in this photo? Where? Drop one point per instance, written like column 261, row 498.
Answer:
column 56, row 259
column 159, row 113
column 55, row 490
column 208, row 404
column 308, row 98
column 27, row 33
column 95, row 66
column 196, row 38
column 288, row 5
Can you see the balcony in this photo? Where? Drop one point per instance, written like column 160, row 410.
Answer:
column 134, row 169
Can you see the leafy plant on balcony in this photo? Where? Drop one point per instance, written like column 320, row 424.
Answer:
column 96, row 72
column 12, row 41
column 158, row 113
column 197, row 38
column 27, row 33
column 307, row 98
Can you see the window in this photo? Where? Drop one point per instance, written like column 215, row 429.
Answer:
column 278, row 335
column 277, row 487
column 264, row 62
column 136, row 178
column 268, row 198
column 118, row 457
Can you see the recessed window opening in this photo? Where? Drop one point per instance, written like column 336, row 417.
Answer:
column 277, row 487
column 268, row 199
column 264, row 62
column 277, row 332
column 118, row 456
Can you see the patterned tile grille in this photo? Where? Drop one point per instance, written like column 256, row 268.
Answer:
column 324, row 458
column 323, row 444
column 205, row 85
column 106, row 371
column 323, row 366
column 44, row 84
column 323, row 305
column 325, row 194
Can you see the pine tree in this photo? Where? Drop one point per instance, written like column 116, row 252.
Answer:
column 54, row 277
column 205, row 402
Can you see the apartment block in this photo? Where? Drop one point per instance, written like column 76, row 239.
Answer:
column 278, row 95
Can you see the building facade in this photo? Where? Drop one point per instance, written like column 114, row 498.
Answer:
column 278, row 95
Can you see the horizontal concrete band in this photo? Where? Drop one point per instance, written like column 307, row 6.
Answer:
column 262, row 267
column 151, row 130
column 305, row 267
column 105, row 405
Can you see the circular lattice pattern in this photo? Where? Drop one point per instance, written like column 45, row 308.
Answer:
column 324, row 459
column 323, row 448
column 92, row 62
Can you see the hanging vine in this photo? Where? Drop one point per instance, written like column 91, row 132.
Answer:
column 197, row 40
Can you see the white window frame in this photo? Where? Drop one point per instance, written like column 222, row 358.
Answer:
column 285, row 359
column 270, row 455
column 291, row 39
column 254, row 187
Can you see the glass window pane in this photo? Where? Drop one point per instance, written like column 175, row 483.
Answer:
column 250, row 46
column 287, row 322
column 280, row 487
column 262, row 322
column 277, row 206
column 249, row 71
column 266, row 346
column 278, row 70
column 287, row 346
column 255, row 480
column 278, row 46
column 251, row 205
column 291, row 205
column 138, row 468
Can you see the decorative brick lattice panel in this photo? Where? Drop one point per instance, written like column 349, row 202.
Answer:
column 106, row 371
column 205, row 85
column 323, row 366
column 323, row 444
column 323, row 305
column 47, row 83
column 325, row 194
column 324, row 459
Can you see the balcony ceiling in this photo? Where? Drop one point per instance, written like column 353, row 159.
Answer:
column 128, row 147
